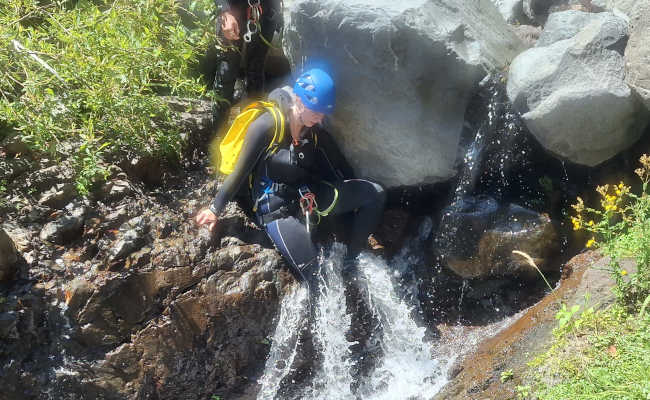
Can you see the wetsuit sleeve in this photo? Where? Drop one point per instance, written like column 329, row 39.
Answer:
column 333, row 159
column 258, row 137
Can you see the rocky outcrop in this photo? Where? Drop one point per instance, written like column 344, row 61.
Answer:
column 404, row 74
column 627, row 7
column 637, row 53
column 167, row 327
column 477, row 237
column 67, row 227
column 587, row 282
column 8, row 256
column 512, row 10
column 571, row 91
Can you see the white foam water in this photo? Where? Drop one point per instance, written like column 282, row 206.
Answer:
column 294, row 309
column 407, row 370
column 331, row 322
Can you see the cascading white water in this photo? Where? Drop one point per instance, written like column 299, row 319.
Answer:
column 294, row 310
column 407, row 369
column 331, row 322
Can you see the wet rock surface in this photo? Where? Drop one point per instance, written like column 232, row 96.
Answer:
column 480, row 236
column 122, row 297
column 477, row 376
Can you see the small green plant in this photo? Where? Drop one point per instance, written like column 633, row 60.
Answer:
column 506, row 375
column 523, row 391
column 215, row 397
column 3, row 189
column 620, row 227
column 564, row 315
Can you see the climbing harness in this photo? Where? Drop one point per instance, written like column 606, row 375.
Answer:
column 252, row 19
column 253, row 26
column 308, row 205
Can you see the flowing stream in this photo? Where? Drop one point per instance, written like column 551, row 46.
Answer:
column 406, row 368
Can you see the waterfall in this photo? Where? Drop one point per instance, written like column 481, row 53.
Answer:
column 284, row 344
column 406, row 369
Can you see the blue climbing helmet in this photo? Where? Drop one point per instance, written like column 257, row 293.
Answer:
column 316, row 90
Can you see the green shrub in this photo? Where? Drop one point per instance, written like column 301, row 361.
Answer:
column 621, row 228
column 92, row 73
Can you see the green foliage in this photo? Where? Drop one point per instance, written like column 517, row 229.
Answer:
column 608, row 358
column 621, row 228
column 93, row 73
column 506, row 375
column 605, row 354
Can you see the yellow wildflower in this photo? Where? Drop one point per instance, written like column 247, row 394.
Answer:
column 639, row 171
column 579, row 206
column 591, row 222
column 623, row 272
column 577, row 223
column 590, row 242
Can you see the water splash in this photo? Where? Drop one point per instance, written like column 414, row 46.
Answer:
column 407, row 370
column 331, row 322
column 294, row 310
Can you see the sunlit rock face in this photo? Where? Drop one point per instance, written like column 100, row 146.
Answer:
column 571, row 91
column 637, row 53
column 480, row 235
column 404, row 73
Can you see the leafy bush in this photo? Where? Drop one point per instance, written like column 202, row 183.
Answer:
column 605, row 354
column 621, row 228
column 92, row 73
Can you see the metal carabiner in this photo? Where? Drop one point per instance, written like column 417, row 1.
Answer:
column 248, row 36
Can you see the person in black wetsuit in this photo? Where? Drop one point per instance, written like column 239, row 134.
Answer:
column 306, row 167
column 237, row 23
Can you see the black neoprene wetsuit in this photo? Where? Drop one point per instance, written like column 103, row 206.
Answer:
column 315, row 164
column 229, row 52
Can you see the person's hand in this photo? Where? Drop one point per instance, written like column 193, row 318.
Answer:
column 206, row 217
column 229, row 26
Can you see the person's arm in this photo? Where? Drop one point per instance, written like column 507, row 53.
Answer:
column 227, row 21
column 258, row 137
column 332, row 156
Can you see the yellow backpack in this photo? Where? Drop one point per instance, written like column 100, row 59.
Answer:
column 230, row 146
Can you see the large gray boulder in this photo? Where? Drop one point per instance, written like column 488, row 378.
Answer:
column 627, row 7
column 637, row 53
column 404, row 72
column 511, row 10
column 571, row 92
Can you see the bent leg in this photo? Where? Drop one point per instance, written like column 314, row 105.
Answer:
column 367, row 199
column 226, row 73
column 255, row 59
column 294, row 243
